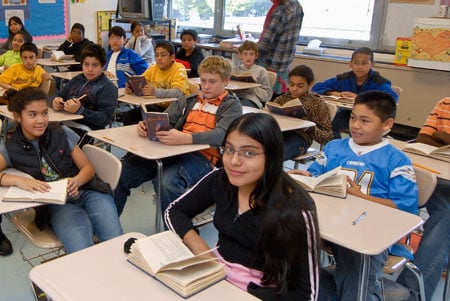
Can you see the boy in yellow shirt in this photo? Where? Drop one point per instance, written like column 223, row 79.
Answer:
column 27, row 74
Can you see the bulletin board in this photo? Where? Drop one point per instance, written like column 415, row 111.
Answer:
column 43, row 19
column 103, row 26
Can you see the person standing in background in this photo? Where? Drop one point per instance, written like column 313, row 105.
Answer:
column 278, row 41
column 140, row 43
column 74, row 44
column 15, row 24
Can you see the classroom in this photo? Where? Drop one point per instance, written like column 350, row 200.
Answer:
column 123, row 158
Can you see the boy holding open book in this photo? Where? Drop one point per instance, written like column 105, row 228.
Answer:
column 436, row 235
column 376, row 171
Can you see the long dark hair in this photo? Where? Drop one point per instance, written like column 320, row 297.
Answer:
column 289, row 240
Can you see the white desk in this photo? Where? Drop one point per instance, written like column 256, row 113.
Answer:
column 56, row 116
column 439, row 167
column 378, row 230
column 67, row 75
column 56, row 64
column 233, row 85
column 138, row 100
column 126, row 138
column 102, row 272
column 286, row 123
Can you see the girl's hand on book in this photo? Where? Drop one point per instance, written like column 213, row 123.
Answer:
column 72, row 187
column 142, row 129
column 300, row 172
column 32, row 185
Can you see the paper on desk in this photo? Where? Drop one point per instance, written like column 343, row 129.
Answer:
column 314, row 44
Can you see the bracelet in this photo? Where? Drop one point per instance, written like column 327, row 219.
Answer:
column 1, row 178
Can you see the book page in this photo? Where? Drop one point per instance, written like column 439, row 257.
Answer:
column 312, row 182
column 421, row 147
column 161, row 249
column 56, row 194
column 193, row 273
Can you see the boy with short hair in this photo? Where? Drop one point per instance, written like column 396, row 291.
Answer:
column 27, row 74
column 74, row 44
column 99, row 104
column 255, row 97
column 362, row 78
column 188, row 55
column 376, row 171
column 196, row 119
column 120, row 59
column 165, row 79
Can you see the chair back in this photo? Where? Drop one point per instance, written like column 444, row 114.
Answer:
column 272, row 77
column 332, row 108
column 193, row 88
column 398, row 90
column 48, row 86
column 426, row 182
column 107, row 166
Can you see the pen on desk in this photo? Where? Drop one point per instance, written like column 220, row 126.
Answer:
column 109, row 139
column 359, row 218
column 426, row 168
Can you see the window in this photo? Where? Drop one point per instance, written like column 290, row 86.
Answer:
column 344, row 23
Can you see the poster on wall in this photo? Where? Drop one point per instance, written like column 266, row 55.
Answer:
column 36, row 16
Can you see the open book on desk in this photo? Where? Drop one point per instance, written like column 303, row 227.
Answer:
column 293, row 108
column 440, row 153
column 243, row 77
column 156, row 121
column 329, row 183
column 59, row 56
column 56, row 195
column 165, row 257
column 338, row 99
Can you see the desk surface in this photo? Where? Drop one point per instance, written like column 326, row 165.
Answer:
column 286, row 123
column 126, row 138
column 233, row 85
column 137, row 100
column 442, row 167
column 50, row 63
column 102, row 272
column 6, row 207
column 378, row 230
column 53, row 115
column 67, row 75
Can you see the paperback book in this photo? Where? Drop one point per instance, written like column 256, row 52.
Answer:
column 156, row 121
column 136, row 83
column 293, row 108
column 56, row 195
column 58, row 56
column 165, row 257
column 329, row 183
column 440, row 153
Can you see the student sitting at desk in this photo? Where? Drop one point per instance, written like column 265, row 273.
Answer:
column 259, row 209
column 140, row 43
column 49, row 153
column 196, row 119
column 376, row 171
column 297, row 142
column 12, row 57
column 74, row 44
column 120, row 59
column 436, row 230
column 15, row 24
column 27, row 74
column 255, row 97
column 90, row 93
column 349, row 84
column 166, row 78
column 189, row 55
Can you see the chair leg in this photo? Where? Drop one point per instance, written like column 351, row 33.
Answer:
column 415, row 270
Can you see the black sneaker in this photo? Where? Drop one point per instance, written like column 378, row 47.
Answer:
column 5, row 245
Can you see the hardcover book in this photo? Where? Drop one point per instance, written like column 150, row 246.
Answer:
column 293, row 108
column 136, row 83
column 156, row 121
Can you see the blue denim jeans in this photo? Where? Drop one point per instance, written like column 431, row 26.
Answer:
column 91, row 213
column 179, row 173
column 433, row 252
column 294, row 145
column 340, row 122
column 346, row 276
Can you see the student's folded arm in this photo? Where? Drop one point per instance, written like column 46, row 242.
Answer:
column 442, row 137
column 168, row 93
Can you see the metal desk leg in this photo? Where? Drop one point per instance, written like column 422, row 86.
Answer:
column 363, row 277
column 158, row 212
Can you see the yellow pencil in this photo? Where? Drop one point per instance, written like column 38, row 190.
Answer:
column 426, row 168
column 109, row 139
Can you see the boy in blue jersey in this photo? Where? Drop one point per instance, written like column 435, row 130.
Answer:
column 362, row 78
column 376, row 171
